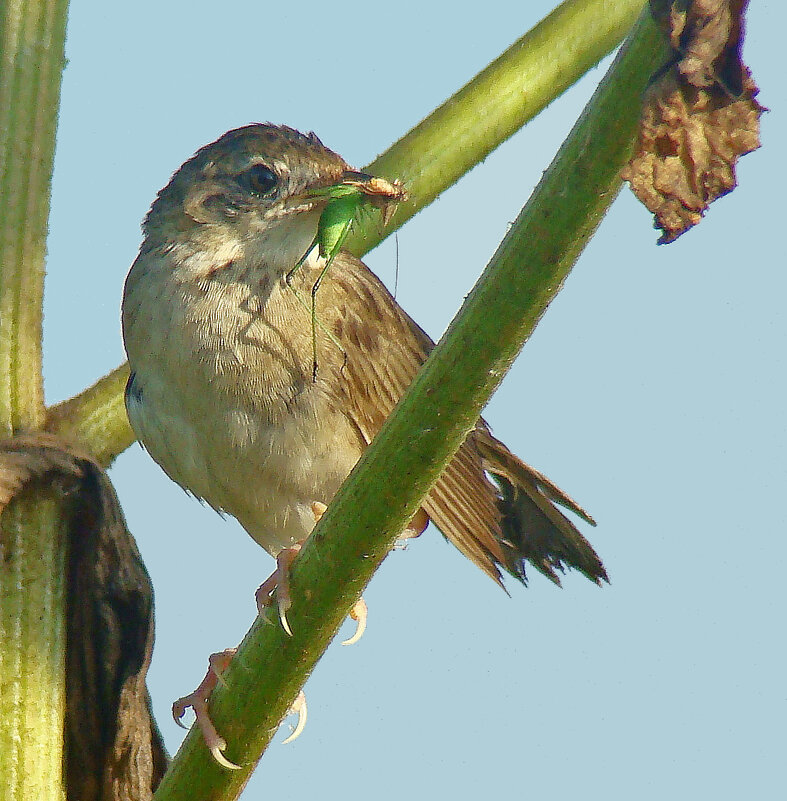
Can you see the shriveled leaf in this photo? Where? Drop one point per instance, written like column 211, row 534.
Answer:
column 699, row 116
column 114, row 751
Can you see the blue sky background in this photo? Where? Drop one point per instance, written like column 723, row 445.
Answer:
column 652, row 391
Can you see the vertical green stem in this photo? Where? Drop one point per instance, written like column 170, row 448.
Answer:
column 32, row 641
column 32, row 37
column 32, row 544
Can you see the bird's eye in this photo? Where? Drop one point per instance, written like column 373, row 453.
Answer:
column 259, row 179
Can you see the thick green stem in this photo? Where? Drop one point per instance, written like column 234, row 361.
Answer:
column 378, row 499
column 32, row 36
column 32, row 649
column 435, row 154
column 32, row 545
column 96, row 417
column 525, row 79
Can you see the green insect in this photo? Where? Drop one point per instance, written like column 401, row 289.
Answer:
column 337, row 218
column 346, row 201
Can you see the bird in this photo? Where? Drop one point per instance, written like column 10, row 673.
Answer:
column 253, row 408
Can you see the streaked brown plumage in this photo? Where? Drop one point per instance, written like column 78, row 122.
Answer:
column 222, row 393
column 481, row 519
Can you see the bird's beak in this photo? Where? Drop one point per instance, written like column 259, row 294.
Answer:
column 353, row 177
column 379, row 191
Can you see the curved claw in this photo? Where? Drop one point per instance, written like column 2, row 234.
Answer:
column 213, row 740
column 283, row 619
column 359, row 612
column 216, row 752
column 178, row 711
column 298, row 707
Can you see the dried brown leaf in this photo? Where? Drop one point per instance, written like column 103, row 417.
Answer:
column 114, row 751
column 698, row 117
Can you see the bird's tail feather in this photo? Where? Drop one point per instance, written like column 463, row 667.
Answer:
column 533, row 529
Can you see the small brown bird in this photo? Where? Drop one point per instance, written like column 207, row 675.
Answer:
column 222, row 391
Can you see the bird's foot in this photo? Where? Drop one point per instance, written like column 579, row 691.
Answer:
column 278, row 585
column 198, row 701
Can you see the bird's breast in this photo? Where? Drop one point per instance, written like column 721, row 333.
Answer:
column 223, row 398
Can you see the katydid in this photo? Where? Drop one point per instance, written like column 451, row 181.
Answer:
column 345, row 202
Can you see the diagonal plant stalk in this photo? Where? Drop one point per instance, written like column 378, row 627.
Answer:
column 96, row 418
column 513, row 89
column 435, row 154
column 32, row 541
column 376, row 502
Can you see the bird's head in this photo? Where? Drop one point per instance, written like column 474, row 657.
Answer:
column 259, row 189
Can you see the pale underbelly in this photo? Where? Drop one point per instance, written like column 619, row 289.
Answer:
column 266, row 476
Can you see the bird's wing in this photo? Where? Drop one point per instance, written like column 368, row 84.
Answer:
column 381, row 362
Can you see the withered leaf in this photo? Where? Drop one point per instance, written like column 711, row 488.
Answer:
column 114, row 751
column 699, row 115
